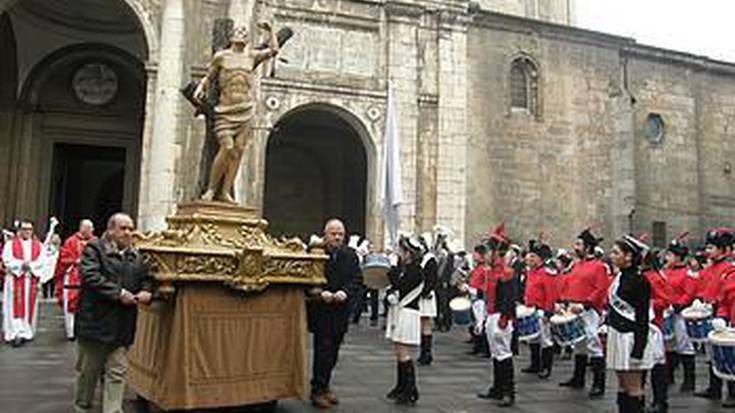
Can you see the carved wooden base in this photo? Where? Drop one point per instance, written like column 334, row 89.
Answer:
column 224, row 243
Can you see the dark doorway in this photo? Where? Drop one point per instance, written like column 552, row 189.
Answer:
column 87, row 182
column 316, row 168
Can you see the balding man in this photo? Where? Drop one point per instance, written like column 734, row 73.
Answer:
column 114, row 281
column 67, row 278
column 329, row 317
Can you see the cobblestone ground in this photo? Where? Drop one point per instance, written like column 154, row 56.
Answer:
column 38, row 378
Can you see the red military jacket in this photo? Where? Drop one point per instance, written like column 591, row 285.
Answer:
column 660, row 294
column 726, row 296
column 541, row 290
column 684, row 287
column 477, row 277
column 587, row 283
column 710, row 280
column 497, row 271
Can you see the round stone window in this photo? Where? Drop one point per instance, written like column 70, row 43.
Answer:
column 95, row 84
column 655, row 128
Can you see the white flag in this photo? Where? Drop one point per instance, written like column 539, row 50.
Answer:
column 391, row 188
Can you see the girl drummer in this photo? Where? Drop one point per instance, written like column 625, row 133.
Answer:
column 628, row 352
column 404, row 319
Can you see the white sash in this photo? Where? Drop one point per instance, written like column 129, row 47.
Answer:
column 412, row 295
column 620, row 306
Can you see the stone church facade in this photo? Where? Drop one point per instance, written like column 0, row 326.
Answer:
column 506, row 112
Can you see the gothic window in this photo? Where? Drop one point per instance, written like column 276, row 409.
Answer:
column 659, row 234
column 524, row 85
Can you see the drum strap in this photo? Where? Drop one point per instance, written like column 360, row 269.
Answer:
column 414, row 294
column 620, row 306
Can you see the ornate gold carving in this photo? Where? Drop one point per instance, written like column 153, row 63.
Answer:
column 232, row 247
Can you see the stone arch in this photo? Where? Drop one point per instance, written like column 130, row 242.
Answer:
column 361, row 133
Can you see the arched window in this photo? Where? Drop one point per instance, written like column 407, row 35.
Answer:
column 524, row 85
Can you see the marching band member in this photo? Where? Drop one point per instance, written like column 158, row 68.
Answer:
column 585, row 289
column 24, row 264
column 628, row 349
column 475, row 288
column 500, row 310
column 716, row 280
column 684, row 290
column 541, row 292
column 660, row 301
column 404, row 318
column 427, row 302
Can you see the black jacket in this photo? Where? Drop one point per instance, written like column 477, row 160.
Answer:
column 404, row 279
column 635, row 290
column 105, row 272
column 343, row 272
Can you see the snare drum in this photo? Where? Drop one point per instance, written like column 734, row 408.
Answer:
column 461, row 307
column 567, row 329
column 699, row 324
column 527, row 323
column 375, row 269
column 668, row 330
column 723, row 353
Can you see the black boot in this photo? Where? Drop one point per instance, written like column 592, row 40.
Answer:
column 580, row 369
column 410, row 393
column 400, row 379
column 507, row 385
column 672, row 363
column 493, row 392
column 534, row 367
column 687, row 361
column 425, row 358
column 660, row 390
column 547, row 362
column 714, row 389
column 729, row 401
column 620, row 401
column 598, row 377
column 475, row 341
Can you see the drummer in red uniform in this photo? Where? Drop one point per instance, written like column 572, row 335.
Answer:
column 684, row 289
column 475, row 289
column 585, row 292
column 500, row 305
column 718, row 282
column 660, row 302
column 541, row 292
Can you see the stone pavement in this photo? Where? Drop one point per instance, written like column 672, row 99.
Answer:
column 38, row 378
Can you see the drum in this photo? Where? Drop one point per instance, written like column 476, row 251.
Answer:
column 461, row 307
column 699, row 323
column 567, row 329
column 527, row 323
column 723, row 353
column 375, row 269
column 668, row 330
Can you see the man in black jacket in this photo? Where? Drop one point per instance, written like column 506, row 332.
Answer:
column 114, row 281
column 329, row 317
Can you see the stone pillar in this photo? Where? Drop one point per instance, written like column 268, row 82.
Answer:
column 162, row 148
column 622, row 156
column 453, row 130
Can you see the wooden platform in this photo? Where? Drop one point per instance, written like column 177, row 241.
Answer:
column 211, row 347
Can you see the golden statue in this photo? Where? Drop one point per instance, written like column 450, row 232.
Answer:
column 234, row 70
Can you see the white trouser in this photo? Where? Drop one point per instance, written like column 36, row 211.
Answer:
column 68, row 315
column 657, row 345
column 591, row 345
column 682, row 343
column 545, row 339
column 499, row 339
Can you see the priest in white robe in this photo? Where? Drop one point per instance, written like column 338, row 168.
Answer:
column 24, row 261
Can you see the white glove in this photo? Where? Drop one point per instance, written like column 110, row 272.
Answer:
column 540, row 313
column 478, row 328
column 392, row 298
column 719, row 324
column 340, row 295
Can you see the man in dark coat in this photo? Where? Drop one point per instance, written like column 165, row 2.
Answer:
column 114, row 281
column 329, row 317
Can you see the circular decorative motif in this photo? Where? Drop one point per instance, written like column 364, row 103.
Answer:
column 272, row 102
column 373, row 113
column 655, row 128
column 95, row 84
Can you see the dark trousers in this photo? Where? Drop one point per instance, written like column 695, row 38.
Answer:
column 368, row 296
column 329, row 328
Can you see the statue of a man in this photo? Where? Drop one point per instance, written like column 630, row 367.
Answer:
column 234, row 69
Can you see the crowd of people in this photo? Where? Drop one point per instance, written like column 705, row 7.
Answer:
column 639, row 312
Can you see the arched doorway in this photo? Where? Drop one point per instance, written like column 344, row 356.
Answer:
column 74, row 147
column 316, row 168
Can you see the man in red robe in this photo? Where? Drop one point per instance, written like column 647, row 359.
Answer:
column 24, row 265
column 67, row 277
